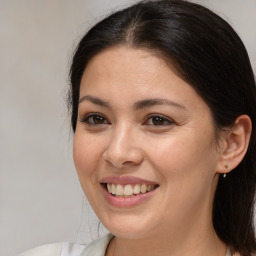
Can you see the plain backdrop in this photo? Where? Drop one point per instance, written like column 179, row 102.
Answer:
column 40, row 196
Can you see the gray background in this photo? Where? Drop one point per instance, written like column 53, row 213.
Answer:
column 40, row 196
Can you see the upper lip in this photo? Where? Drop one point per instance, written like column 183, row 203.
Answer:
column 123, row 180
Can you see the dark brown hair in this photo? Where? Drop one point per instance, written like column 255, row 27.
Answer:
column 210, row 56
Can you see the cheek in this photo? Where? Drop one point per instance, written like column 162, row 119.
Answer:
column 187, row 169
column 187, row 154
column 85, row 156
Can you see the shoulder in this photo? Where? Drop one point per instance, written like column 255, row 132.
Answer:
column 97, row 248
column 44, row 250
column 57, row 249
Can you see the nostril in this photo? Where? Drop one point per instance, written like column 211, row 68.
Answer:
column 123, row 158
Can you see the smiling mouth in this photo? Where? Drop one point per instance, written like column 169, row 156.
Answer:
column 129, row 190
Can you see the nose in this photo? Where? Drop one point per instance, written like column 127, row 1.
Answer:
column 123, row 149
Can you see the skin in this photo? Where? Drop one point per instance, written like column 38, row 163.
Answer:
column 180, row 154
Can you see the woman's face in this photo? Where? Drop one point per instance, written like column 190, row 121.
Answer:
column 146, row 135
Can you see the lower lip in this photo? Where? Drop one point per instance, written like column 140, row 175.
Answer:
column 127, row 201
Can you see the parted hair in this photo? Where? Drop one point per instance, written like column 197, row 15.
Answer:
column 209, row 55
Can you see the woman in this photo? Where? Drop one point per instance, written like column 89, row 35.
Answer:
column 162, row 103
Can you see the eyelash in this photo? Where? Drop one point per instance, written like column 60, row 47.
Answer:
column 86, row 119
column 162, row 120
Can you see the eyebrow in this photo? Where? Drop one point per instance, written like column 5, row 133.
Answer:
column 94, row 100
column 152, row 102
column 138, row 105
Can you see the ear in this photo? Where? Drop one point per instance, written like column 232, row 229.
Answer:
column 234, row 144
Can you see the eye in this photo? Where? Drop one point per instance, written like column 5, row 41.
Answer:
column 158, row 120
column 94, row 119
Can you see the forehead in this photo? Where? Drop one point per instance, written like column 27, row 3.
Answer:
column 134, row 73
column 122, row 65
column 125, row 63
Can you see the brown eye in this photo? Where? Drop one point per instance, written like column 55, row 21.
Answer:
column 94, row 119
column 157, row 120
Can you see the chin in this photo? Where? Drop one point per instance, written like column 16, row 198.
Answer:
column 130, row 227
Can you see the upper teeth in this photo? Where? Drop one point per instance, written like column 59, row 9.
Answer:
column 128, row 190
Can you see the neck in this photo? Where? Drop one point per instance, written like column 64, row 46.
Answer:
column 187, row 242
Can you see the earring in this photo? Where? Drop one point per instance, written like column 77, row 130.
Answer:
column 227, row 167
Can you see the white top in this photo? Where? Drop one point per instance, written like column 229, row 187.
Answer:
column 96, row 248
